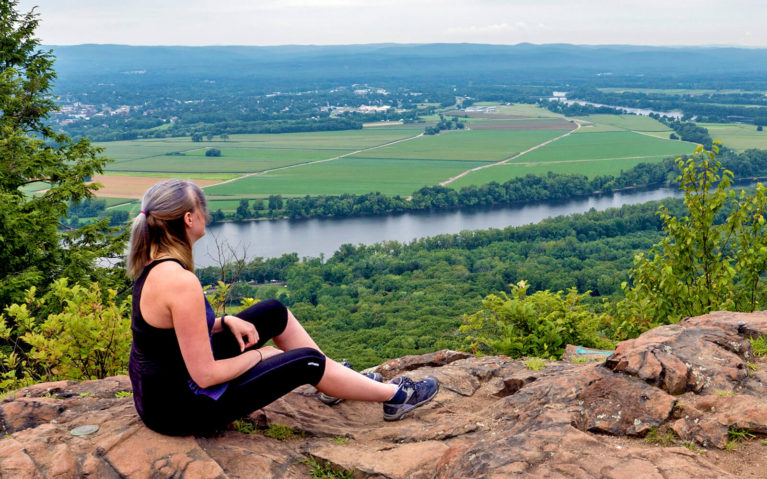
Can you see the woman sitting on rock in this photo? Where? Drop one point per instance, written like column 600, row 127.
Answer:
column 193, row 372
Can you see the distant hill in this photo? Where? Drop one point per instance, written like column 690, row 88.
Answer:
column 297, row 66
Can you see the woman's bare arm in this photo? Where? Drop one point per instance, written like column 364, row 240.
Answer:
column 187, row 308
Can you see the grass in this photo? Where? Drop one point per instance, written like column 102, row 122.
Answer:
column 231, row 161
column 324, row 470
column 535, row 364
column 274, row 431
column 594, row 154
column 725, row 393
column 654, row 436
column 605, row 145
column 759, row 345
column 347, row 175
column 736, row 436
column 340, row 440
column 691, row 446
column 182, row 175
column 281, row 433
column 628, row 122
column 737, row 136
column 462, row 145
column 124, row 394
column 400, row 168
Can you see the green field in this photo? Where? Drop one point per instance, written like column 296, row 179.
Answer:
column 458, row 145
column 522, row 109
column 639, row 123
column 346, row 175
column 589, row 154
column 737, row 136
column 329, row 163
column 245, row 153
column 242, row 160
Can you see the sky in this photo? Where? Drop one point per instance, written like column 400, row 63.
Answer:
column 336, row 22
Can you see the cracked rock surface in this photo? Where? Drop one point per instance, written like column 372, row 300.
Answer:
column 493, row 418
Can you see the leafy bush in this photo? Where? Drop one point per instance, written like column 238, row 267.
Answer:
column 86, row 337
column 713, row 258
column 541, row 324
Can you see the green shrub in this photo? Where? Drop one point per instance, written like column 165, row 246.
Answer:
column 535, row 364
column 541, row 324
column 324, row 470
column 87, row 336
column 759, row 345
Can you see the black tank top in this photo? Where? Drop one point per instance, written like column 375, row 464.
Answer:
column 155, row 360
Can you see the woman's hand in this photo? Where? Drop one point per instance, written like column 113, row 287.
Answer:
column 244, row 332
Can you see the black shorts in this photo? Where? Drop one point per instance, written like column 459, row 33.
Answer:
column 265, row 382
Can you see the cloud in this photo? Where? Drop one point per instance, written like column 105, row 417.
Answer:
column 483, row 30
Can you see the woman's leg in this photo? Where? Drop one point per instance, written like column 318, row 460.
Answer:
column 342, row 382
column 338, row 381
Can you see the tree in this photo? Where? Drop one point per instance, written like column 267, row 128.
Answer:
column 33, row 252
column 196, row 137
column 243, row 210
column 275, row 202
column 212, row 152
column 713, row 258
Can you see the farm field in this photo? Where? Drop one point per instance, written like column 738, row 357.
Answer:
column 639, row 123
column 591, row 154
column 136, row 154
column 345, row 175
column 232, row 160
column 460, row 145
column 737, row 136
column 395, row 160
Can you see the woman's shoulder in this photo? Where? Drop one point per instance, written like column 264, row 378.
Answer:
column 173, row 276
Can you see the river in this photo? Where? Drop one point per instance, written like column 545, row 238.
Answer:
column 636, row 111
column 315, row 236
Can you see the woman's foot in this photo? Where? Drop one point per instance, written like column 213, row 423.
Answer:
column 410, row 395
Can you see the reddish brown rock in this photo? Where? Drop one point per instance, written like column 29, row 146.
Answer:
column 493, row 418
column 683, row 357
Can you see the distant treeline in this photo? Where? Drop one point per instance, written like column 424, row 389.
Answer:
column 551, row 186
column 706, row 107
column 132, row 129
column 687, row 131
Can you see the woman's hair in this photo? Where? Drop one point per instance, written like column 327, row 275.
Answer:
column 159, row 227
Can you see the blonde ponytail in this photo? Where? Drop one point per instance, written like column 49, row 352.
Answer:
column 159, row 227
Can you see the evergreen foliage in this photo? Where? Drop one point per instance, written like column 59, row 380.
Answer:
column 33, row 252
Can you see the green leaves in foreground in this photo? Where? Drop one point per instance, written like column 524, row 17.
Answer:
column 86, row 337
column 713, row 258
column 541, row 324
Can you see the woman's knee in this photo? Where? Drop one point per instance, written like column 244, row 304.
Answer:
column 269, row 316
column 314, row 362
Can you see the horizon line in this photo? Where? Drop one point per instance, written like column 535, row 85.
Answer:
column 319, row 45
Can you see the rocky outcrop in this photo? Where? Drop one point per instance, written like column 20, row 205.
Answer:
column 493, row 418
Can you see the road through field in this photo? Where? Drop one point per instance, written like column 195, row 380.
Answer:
column 263, row 172
column 503, row 162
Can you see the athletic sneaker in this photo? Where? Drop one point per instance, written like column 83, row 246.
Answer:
column 410, row 395
column 332, row 401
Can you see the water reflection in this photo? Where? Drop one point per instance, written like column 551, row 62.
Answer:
column 316, row 236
